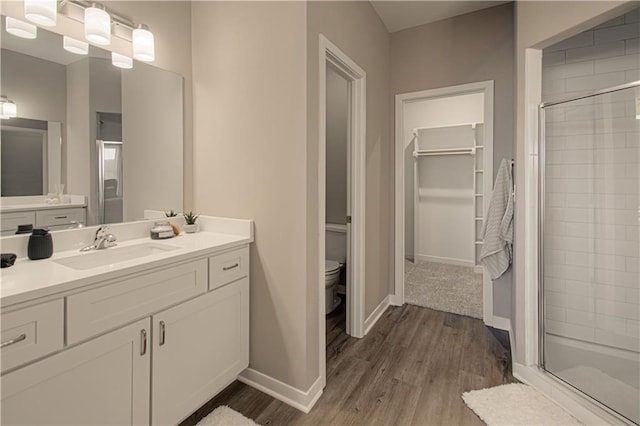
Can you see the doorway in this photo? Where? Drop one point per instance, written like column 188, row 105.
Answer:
column 444, row 176
column 341, row 185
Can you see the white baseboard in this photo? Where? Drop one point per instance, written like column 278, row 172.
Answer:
column 376, row 314
column 580, row 407
column 447, row 260
column 394, row 300
column 501, row 323
column 301, row 400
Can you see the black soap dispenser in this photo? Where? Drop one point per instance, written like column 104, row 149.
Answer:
column 40, row 244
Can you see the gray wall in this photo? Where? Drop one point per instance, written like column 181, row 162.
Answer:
column 249, row 73
column 38, row 87
column 337, row 128
column 355, row 28
column 474, row 47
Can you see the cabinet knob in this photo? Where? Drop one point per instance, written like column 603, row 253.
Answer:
column 162, row 328
column 143, row 342
column 18, row 339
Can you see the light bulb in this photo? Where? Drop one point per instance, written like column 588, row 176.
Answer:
column 75, row 46
column 143, row 44
column 9, row 109
column 20, row 28
column 42, row 12
column 121, row 61
column 97, row 25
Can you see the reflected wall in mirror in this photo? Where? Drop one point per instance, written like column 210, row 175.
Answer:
column 111, row 135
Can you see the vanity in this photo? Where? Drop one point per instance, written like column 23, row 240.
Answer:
column 142, row 333
column 40, row 213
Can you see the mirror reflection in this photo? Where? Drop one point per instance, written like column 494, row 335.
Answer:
column 102, row 142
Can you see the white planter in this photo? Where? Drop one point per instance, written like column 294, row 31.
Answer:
column 190, row 229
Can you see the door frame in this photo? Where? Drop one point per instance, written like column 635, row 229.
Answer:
column 485, row 87
column 357, row 78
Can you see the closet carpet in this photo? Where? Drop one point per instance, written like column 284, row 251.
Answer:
column 448, row 288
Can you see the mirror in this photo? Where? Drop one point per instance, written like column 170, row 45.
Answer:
column 111, row 135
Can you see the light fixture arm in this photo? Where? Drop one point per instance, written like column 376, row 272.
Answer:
column 116, row 20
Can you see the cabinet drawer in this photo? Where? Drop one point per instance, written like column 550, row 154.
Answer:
column 31, row 333
column 104, row 308
column 227, row 267
column 9, row 221
column 59, row 217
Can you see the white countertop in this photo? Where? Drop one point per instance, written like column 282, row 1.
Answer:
column 32, row 279
column 39, row 202
column 39, row 206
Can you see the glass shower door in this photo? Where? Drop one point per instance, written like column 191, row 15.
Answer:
column 590, row 246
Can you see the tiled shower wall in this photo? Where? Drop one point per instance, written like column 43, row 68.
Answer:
column 592, row 245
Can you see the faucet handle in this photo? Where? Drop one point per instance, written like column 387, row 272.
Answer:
column 102, row 231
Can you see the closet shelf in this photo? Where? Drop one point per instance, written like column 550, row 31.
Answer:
column 479, row 242
column 479, row 171
column 479, row 218
column 478, row 195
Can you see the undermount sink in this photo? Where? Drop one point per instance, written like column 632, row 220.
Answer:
column 111, row 256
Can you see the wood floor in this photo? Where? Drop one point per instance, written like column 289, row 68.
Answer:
column 411, row 369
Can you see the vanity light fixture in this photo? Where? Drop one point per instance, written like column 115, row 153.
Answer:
column 9, row 108
column 41, row 12
column 143, row 44
column 97, row 24
column 121, row 61
column 75, row 46
column 20, row 28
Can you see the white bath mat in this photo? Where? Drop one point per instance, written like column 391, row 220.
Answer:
column 516, row 404
column 225, row 416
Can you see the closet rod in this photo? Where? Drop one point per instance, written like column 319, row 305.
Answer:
column 453, row 151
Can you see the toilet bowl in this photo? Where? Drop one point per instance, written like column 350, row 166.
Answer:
column 331, row 278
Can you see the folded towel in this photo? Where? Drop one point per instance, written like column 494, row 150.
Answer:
column 7, row 259
column 497, row 230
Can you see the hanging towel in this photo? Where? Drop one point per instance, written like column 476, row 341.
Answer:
column 497, row 230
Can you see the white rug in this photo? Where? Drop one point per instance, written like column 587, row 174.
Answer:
column 516, row 404
column 225, row 416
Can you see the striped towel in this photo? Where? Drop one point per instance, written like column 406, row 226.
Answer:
column 497, row 230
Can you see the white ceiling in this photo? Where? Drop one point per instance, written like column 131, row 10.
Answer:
column 400, row 14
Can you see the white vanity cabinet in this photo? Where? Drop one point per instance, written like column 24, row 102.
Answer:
column 198, row 348
column 57, row 218
column 144, row 349
column 102, row 382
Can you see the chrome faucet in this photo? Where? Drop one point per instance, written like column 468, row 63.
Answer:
column 103, row 240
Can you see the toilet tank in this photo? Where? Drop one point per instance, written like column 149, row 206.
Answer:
column 336, row 242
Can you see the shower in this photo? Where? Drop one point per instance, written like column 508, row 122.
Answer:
column 589, row 233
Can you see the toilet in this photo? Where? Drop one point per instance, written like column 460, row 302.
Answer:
column 335, row 262
column 331, row 277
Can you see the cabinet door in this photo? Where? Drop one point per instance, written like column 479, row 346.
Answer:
column 104, row 381
column 199, row 347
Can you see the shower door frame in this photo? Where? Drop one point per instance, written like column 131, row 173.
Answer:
column 540, row 234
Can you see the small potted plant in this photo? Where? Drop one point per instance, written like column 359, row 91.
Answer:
column 190, row 222
column 170, row 213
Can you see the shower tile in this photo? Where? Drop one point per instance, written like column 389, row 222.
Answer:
column 555, row 313
column 594, row 82
column 617, row 278
column 618, row 309
column 585, row 318
column 610, row 292
column 620, row 63
column 554, row 284
column 606, row 50
column 633, row 295
column 632, row 233
column 617, row 340
column 632, row 265
column 571, row 330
